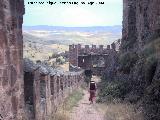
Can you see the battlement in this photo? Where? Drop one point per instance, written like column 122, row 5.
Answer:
column 90, row 47
column 79, row 50
column 73, row 46
column 87, row 49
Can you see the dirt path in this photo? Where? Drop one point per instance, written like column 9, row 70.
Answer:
column 86, row 111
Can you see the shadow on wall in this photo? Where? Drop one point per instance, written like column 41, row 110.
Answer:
column 46, row 88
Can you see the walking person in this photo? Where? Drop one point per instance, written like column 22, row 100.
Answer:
column 92, row 91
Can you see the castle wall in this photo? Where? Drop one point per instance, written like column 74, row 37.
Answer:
column 141, row 23
column 48, row 89
column 73, row 55
column 46, row 107
column 75, row 51
column 11, row 56
column 141, row 33
column 85, row 62
column 92, row 57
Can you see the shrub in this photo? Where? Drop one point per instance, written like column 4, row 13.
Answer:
column 87, row 79
column 111, row 90
column 150, row 53
column 60, row 60
column 150, row 68
column 128, row 44
column 151, row 49
column 127, row 61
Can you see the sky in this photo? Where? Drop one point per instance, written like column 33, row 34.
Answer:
column 72, row 15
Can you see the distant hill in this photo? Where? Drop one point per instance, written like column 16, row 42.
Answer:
column 113, row 29
column 73, row 35
column 42, row 41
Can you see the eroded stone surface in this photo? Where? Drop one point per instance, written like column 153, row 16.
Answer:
column 141, row 23
column 93, row 58
column 11, row 11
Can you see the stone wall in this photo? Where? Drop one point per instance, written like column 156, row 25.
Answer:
column 76, row 50
column 32, row 93
column 136, row 67
column 141, row 23
column 47, row 88
column 11, row 56
column 92, row 58
column 140, row 55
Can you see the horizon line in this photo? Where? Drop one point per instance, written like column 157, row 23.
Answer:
column 68, row 26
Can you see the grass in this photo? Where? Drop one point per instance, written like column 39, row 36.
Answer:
column 61, row 115
column 121, row 111
column 71, row 101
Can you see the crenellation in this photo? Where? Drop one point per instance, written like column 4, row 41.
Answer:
column 113, row 46
column 86, row 46
column 76, row 50
column 75, row 47
column 93, row 57
column 108, row 47
column 79, row 46
column 93, row 46
column 101, row 47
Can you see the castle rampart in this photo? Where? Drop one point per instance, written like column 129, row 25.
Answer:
column 46, row 89
column 78, row 50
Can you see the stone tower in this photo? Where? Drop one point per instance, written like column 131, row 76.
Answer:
column 73, row 54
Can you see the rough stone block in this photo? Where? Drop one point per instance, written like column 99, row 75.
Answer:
column 6, row 56
column 3, row 39
column 13, row 75
column 5, row 81
column 14, row 104
column 14, row 56
column 12, row 40
column 1, row 57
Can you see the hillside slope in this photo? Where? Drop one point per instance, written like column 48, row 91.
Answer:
column 40, row 42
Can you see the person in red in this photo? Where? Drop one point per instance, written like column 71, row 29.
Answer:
column 92, row 91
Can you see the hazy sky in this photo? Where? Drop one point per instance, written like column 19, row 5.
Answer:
column 107, row 14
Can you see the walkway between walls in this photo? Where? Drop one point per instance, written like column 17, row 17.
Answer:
column 86, row 111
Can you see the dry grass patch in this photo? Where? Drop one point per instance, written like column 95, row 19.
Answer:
column 73, row 99
column 61, row 115
column 121, row 111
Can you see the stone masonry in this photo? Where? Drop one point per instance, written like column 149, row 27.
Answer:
column 27, row 94
column 45, row 89
column 141, row 36
column 91, row 58
column 141, row 23
column 11, row 57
